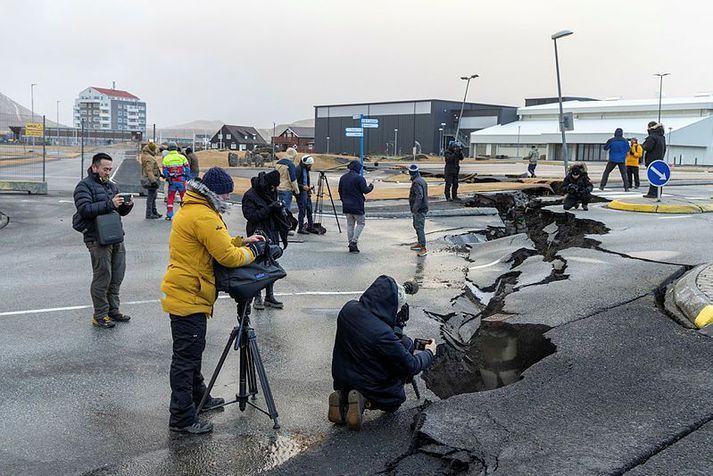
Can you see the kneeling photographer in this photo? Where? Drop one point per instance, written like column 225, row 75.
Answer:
column 198, row 236
column 372, row 358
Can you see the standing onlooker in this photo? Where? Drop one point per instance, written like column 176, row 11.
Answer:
column 633, row 157
column 288, row 178
column 152, row 173
column 453, row 156
column 418, row 201
column 198, row 237
column 193, row 163
column 352, row 187
column 262, row 210
column 618, row 147
column 175, row 169
column 96, row 195
column 532, row 158
column 304, row 200
column 655, row 148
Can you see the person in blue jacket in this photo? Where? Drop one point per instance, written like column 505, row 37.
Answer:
column 618, row 147
column 352, row 187
column 372, row 358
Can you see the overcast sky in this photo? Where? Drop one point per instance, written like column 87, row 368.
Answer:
column 255, row 62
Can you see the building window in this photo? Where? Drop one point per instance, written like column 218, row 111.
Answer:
column 228, row 136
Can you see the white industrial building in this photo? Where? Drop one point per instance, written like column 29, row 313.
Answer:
column 688, row 123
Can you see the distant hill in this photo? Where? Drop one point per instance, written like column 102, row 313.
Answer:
column 15, row 114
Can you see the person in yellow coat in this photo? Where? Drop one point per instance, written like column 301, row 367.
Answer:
column 198, row 236
column 633, row 157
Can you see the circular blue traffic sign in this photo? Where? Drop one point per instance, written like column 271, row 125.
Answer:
column 658, row 173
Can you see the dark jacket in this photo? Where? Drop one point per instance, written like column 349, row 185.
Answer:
column 93, row 198
column 302, row 176
column 655, row 145
column 618, row 147
column 257, row 209
column 453, row 157
column 368, row 356
column 418, row 195
column 581, row 186
column 352, row 187
column 193, row 163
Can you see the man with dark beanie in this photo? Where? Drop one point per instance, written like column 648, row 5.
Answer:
column 654, row 149
column 263, row 210
column 198, row 236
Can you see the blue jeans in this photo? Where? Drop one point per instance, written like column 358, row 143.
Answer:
column 304, row 202
column 285, row 198
column 419, row 224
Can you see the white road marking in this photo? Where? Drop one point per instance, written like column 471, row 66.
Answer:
column 485, row 265
column 675, row 217
column 155, row 301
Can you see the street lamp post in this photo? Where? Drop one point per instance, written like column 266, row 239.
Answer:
column 327, row 144
column 396, row 141
column 440, row 140
column 462, row 106
column 565, row 152
column 58, row 101
column 32, row 106
column 660, row 75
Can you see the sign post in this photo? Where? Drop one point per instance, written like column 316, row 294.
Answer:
column 364, row 123
column 659, row 173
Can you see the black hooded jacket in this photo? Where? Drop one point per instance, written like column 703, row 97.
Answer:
column 257, row 210
column 368, row 355
column 581, row 186
column 453, row 157
column 654, row 145
column 352, row 187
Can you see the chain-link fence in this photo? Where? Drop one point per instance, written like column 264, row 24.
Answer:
column 23, row 153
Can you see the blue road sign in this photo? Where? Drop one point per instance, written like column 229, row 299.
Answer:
column 658, row 173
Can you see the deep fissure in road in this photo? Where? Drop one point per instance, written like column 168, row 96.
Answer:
column 482, row 351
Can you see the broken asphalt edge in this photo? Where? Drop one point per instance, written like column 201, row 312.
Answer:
column 655, row 207
column 691, row 301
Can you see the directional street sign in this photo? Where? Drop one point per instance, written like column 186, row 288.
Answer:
column 353, row 129
column 370, row 125
column 355, row 134
column 658, row 173
column 369, row 121
column 356, row 116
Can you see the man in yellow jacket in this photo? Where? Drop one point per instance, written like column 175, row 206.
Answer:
column 633, row 157
column 198, row 236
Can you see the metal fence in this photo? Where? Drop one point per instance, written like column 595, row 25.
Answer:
column 23, row 153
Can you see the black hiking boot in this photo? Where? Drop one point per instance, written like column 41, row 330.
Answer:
column 211, row 404
column 270, row 301
column 258, row 303
column 120, row 317
column 197, row 428
column 103, row 322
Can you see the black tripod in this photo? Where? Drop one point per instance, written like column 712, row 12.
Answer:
column 319, row 202
column 251, row 368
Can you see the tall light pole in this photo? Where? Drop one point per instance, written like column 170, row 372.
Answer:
column 440, row 141
column 58, row 101
column 565, row 152
column 327, row 144
column 660, row 75
column 467, row 83
column 396, row 141
column 32, row 100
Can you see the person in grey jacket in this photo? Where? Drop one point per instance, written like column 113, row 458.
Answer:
column 418, row 201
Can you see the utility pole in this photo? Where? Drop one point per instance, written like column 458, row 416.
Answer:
column 661, row 76
column 565, row 152
column 58, row 101
column 396, row 141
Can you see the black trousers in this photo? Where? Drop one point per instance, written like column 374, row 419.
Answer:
column 574, row 199
column 151, row 194
column 531, row 169
column 632, row 175
column 611, row 166
column 451, row 185
column 187, row 385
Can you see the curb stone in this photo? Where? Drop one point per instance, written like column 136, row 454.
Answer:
column 660, row 208
column 693, row 296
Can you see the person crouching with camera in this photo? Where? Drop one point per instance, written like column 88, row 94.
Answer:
column 372, row 358
column 198, row 236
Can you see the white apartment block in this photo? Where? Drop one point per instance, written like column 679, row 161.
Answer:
column 109, row 109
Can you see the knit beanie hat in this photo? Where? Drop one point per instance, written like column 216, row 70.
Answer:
column 273, row 178
column 291, row 153
column 413, row 169
column 218, row 181
column 152, row 146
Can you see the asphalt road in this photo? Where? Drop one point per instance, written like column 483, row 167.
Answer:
column 626, row 389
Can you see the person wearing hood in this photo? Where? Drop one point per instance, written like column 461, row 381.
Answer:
column 618, row 147
column 176, row 170
column 152, row 174
column 418, row 202
column 578, row 187
column 453, row 158
column 654, row 149
column 372, row 358
column 265, row 214
column 288, row 178
column 198, row 236
column 97, row 195
column 352, row 187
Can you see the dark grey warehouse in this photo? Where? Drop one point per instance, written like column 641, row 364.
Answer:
column 403, row 125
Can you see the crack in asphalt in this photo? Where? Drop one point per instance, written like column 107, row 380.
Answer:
column 646, row 260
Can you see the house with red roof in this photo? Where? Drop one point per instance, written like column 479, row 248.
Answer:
column 109, row 109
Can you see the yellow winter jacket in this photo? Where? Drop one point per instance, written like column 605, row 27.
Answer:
column 197, row 236
column 634, row 155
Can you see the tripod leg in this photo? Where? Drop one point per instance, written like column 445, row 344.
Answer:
column 260, row 368
column 252, row 378
column 334, row 209
column 242, row 396
column 221, row 361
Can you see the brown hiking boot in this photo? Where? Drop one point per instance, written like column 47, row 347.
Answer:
column 336, row 412
column 422, row 252
column 415, row 247
column 355, row 410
